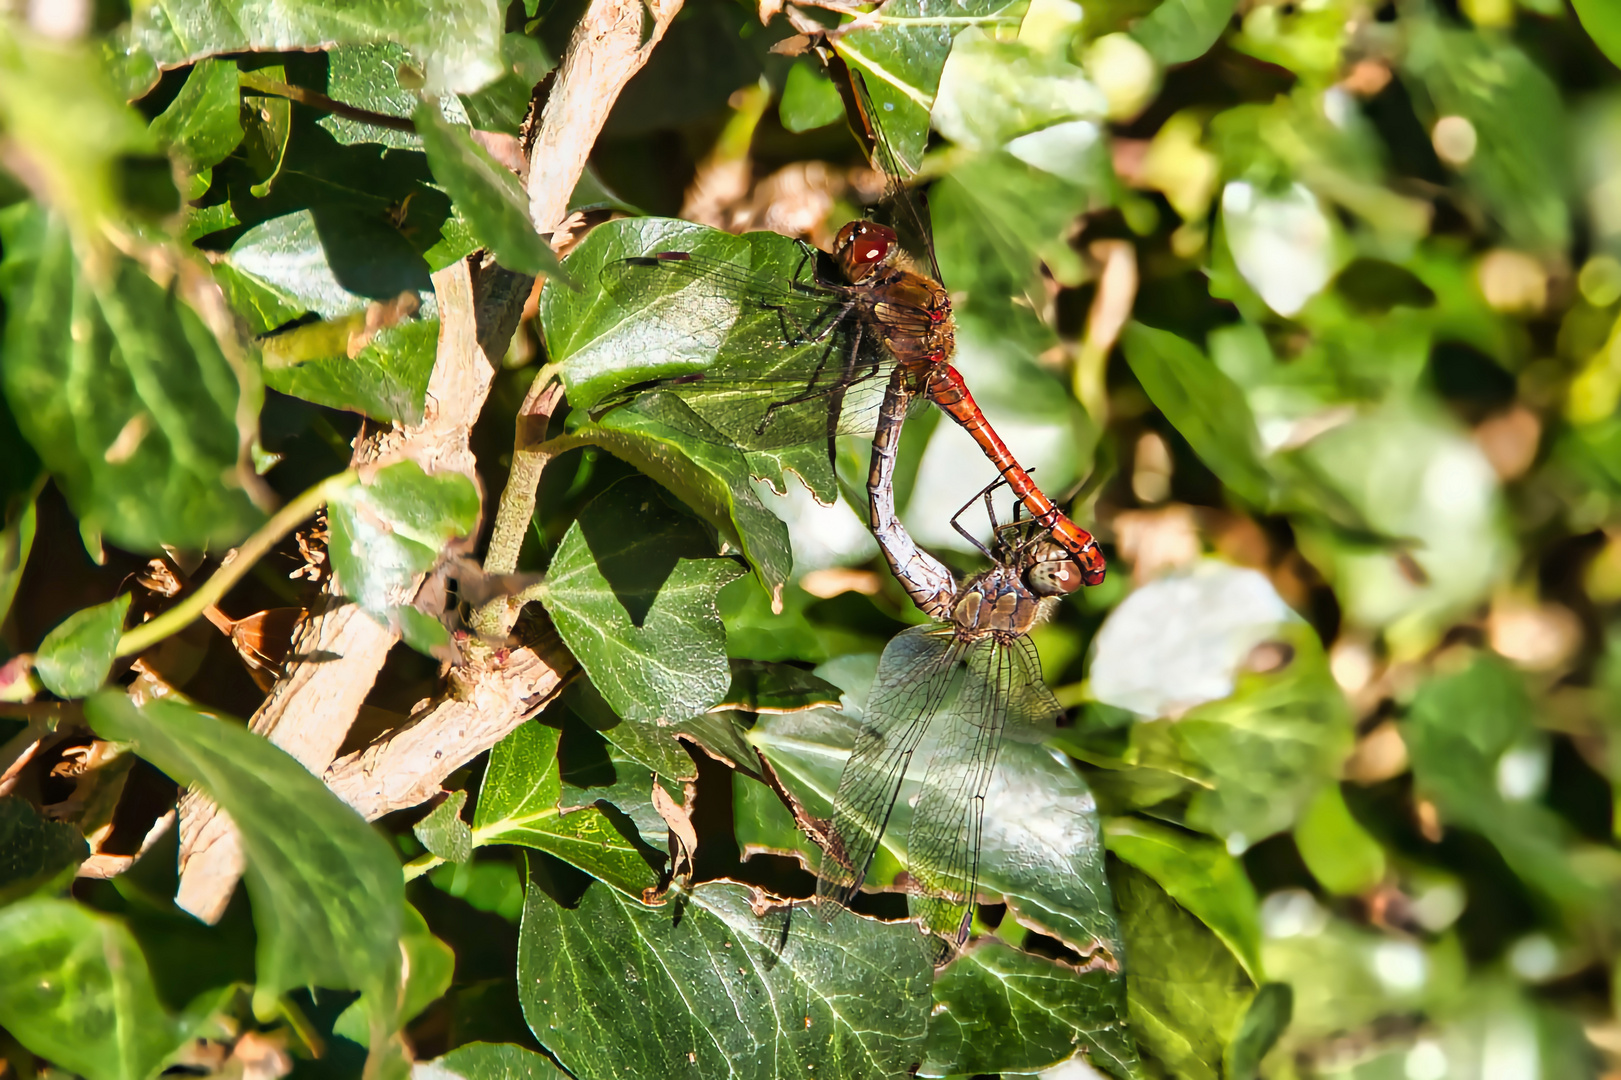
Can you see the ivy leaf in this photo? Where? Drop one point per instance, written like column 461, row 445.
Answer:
column 36, row 854
column 457, row 40
column 1198, row 874
column 632, row 590
column 388, row 529
column 1187, row 994
column 326, row 889
column 202, row 125
column 444, row 833
column 1000, row 1010
column 666, row 440
column 671, row 327
column 78, row 991
column 75, row 658
column 124, row 393
column 489, row 196
column 698, row 987
column 1177, row 31
column 902, row 56
column 429, row 965
column 518, row 804
column 1207, row 408
column 489, row 1061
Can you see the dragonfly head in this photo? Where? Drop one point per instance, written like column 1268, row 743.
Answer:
column 1052, row 572
column 862, row 248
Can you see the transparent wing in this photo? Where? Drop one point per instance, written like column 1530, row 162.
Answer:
column 948, row 822
column 914, row 675
column 788, row 361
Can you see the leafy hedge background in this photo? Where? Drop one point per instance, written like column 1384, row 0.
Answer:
column 1312, row 308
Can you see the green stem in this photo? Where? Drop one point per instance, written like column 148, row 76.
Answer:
column 263, row 84
column 517, row 506
column 249, row 552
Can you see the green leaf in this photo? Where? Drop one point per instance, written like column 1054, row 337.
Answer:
column 1458, row 730
column 36, row 854
column 997, row 1009
column 16, row 542
column 75, row 658
column 1040, row 850
column 71, row 130
column 632, row 591
column 305, row 261
column 367, row 76
column 326, row 889
column 762, row 687
column 267, row 131
column 697, row 988
column 901, row 57
column 1177, row 31
column 78, row 992
column 1187, row 994
column 457, row 40
column 1520, row 167
column 666, row 440
column 1265, row 1021
column 489, row 196
column 393, row 526
column 203, row 123
column 1205, row 406
column 809, row 99
column 607, row 344
column 429, row 965
column 1337, row 850
column 518, row 804
column 124, row 393
column 444, row 833
column 387, row 379
column 489, row 1061
column 503, row 104
column 1201, row 876
column 1602, row 21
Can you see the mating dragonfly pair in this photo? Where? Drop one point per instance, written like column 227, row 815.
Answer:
column 802, row 357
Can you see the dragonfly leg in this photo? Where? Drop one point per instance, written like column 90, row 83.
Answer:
column 983, row 493
column 813, row 390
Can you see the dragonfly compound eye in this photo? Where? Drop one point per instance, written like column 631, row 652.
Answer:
column 862, row 247
column 1053, row 574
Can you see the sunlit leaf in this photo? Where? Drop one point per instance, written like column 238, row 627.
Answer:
column 75, row 658
column 78, row 991
column 490, row 197
column 1177, row 31
column 698, row 986
column 632, row 590
column 997, row 1009
column 458, row 41
column 393, row 526
column 429, row 965
column 327, row 890
column 520, row 804
column 124, row 392
column 488, row 1061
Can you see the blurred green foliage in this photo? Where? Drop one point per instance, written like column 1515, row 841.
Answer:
column 1311, row 310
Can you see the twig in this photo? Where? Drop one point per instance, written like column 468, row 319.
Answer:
column 251, row 551
column 517, row 506
column 251, row 80
column 340, row 651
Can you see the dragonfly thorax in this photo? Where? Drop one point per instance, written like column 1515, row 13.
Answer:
column 998, row 602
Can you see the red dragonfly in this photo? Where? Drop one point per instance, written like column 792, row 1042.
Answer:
column 799, row 358
column 968, row 678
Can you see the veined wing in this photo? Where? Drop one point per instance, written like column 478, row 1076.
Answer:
column 1002, row 686
column 914, row 676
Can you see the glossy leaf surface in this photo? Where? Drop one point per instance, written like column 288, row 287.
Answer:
column 708, row 990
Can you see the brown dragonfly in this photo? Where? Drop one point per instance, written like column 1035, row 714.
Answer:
column 967, row 680
column 805, row 355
